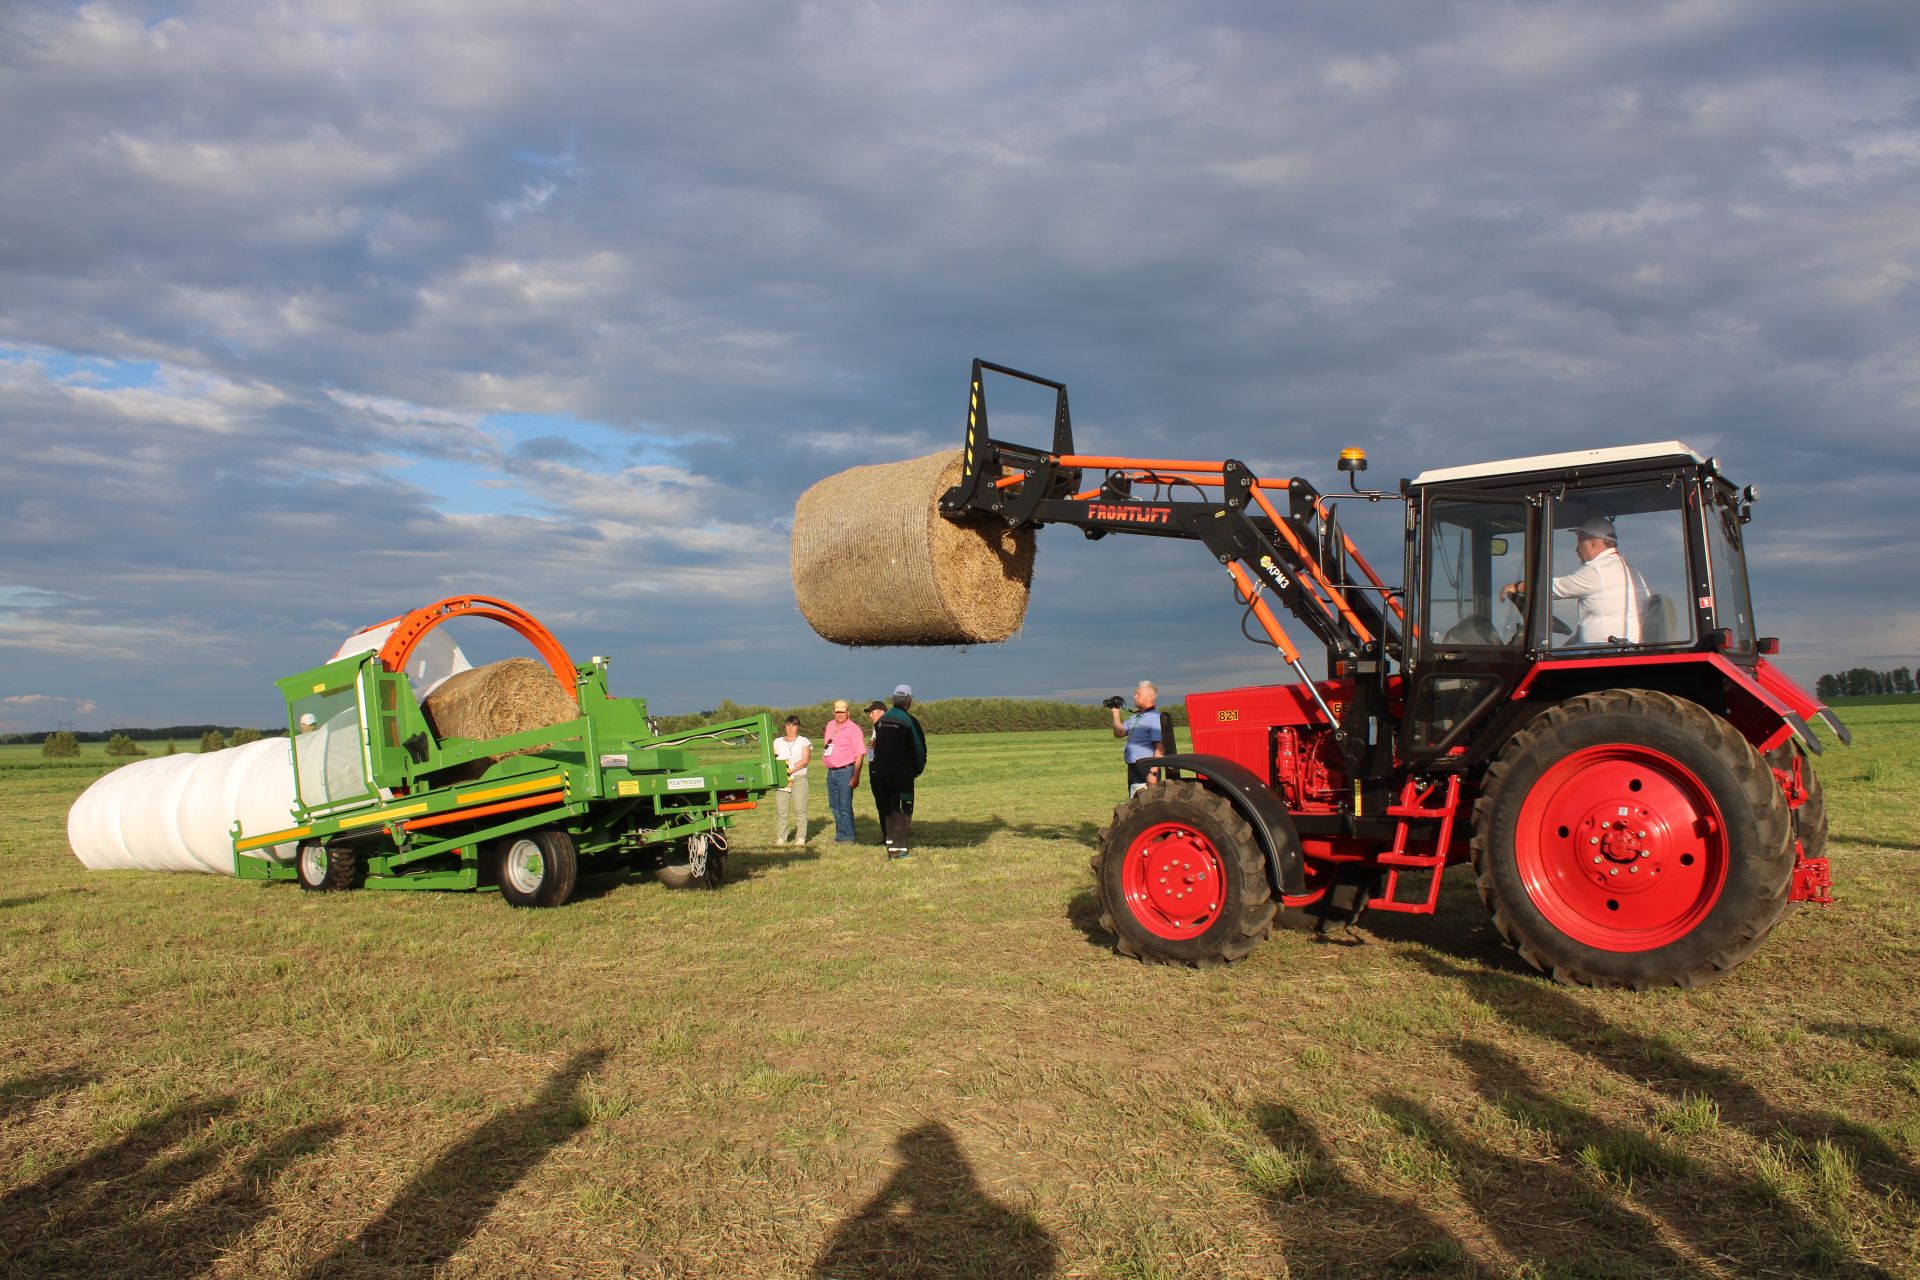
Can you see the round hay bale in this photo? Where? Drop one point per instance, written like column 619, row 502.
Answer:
column 875, row 563
column 498, row 699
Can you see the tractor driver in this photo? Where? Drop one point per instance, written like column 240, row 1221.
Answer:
column 1612, row 595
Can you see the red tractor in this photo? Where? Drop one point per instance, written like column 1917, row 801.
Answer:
column 1628, row 775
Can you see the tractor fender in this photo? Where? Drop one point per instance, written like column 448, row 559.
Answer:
column 1255, row 801
column 1764, row 705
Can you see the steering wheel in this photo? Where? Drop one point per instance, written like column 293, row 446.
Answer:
column 1519, row 601
column 1475, row 628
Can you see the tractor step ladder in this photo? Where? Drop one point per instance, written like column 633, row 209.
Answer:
column 1415, row 805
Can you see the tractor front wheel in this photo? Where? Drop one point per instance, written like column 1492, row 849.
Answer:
column 536, row 868
column 1632, row 839
column 1180, row 879
column 322, row 869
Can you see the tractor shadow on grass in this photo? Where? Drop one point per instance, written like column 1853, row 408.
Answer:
column 1884, row 1040
column 23, row 1092
column 1083, row 913
column 1334, row 1226
column 1459, row 927
column 442, row 1206
column 932, row 1220
column 164, row 1201
column 1864, row 842
column 1537, row 1008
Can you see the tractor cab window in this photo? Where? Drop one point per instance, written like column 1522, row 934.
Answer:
column 1618, row 573
column 1732, row 606
column 1475, row 547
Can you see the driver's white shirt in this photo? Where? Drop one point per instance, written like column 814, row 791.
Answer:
column 1612, row 596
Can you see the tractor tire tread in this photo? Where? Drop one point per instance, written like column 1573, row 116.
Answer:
column 561, row 860
column 1256, row 910
column 346, row 869
column 1758, row 788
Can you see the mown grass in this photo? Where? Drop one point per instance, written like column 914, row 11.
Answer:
column 837, row 1066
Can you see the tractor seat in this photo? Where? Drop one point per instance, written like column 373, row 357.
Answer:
column 1659, row 626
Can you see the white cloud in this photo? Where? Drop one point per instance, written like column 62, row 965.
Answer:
column 751, row 243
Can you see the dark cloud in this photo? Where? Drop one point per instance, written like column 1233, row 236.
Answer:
column 763, row 241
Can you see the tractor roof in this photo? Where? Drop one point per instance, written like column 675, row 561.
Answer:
column 1560, row 461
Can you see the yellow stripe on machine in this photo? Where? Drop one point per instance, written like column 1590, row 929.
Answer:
column 508, row 789
column 384, row 815
column 277, row 837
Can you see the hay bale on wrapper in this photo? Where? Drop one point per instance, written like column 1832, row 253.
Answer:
column 874, row 562
column 493, row 701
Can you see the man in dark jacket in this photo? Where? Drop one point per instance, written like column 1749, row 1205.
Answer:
column 899, row 756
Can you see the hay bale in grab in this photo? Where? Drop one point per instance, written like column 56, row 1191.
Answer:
column 494, row 701
column 875, row 563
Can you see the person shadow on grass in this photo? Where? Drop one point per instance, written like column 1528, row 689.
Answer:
column 932, row 1221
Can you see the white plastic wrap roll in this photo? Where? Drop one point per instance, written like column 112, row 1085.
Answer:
column 176, row 813
column 434, row 658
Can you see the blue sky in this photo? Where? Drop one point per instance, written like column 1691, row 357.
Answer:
column 311, row 313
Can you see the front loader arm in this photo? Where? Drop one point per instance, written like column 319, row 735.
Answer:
column 1294, row 555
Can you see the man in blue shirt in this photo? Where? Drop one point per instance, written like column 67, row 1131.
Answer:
column 1146, row 735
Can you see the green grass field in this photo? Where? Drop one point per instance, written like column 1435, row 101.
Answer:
column 840, row 1067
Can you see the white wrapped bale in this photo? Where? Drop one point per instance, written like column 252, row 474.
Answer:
column 176, row 813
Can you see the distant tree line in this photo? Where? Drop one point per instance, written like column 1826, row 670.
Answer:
column 1858, row 682
column 166, row 733
column 949, row 715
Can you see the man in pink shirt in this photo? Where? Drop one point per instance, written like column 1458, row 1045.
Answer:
column 845, row 747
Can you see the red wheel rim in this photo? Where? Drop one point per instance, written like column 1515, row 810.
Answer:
column 1174, row 881
column 1621, row 848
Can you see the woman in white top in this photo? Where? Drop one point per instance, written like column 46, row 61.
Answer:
column 790, row 801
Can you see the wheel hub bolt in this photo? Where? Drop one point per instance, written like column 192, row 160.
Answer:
column 1593, row 839
column 1613, row 871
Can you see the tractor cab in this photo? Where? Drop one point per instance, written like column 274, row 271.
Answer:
column 1550, row 565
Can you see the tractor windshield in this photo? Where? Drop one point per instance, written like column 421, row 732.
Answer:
column 1618, row 571
column 1732, row 605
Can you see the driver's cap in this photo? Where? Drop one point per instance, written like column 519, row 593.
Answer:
column 1596, row 527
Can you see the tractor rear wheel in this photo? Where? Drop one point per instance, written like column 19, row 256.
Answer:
column 536, row 868
column 1632, row 839
column 322, row 869
column 1180, row 879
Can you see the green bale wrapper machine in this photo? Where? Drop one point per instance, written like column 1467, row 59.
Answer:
column 381, row 802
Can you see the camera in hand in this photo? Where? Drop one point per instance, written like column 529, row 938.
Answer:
column 1115, row 702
